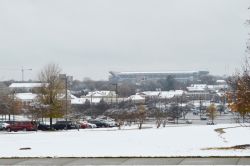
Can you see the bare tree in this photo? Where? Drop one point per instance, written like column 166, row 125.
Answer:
column 141, row 115
column 50, row 91
column 212, row 112
column 159, row 115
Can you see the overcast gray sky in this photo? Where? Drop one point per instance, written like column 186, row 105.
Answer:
column 88, row 38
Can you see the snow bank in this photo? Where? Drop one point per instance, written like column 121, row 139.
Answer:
column 151, row 142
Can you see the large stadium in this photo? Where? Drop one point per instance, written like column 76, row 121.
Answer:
column 182, row 76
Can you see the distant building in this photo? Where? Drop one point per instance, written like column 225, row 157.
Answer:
column 198, row 88
column 101, row 94
column 26, row 98
column 138, row 99
column 198, row 91
column 136, row 77
column 162, row 94
column 96, row 96
column 25, row 87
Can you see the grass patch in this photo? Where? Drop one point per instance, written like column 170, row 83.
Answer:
column 25, row 148
column 236, row 147
column 220, row 130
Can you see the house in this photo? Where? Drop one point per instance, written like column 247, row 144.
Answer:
column 97, row 96
column 136, row 99
column 26, row 98
column 161, row 94
column 198, row 91
column 101, row 94
column 149, row 94
column 171, row 94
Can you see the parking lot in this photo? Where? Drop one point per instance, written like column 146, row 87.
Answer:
column 196, row 120
column 127, row 161
column 219, row 119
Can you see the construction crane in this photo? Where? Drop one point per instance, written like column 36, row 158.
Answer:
column 14, row 69
column 23, row 72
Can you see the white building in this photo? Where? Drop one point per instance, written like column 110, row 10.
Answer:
column 136, row 98
column 27, row 87
column 162, row 94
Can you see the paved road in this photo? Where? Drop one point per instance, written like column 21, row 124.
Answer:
column 220, row 119
column 126, row 161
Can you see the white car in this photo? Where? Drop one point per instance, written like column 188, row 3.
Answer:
column 3, row 125
column 91, row 125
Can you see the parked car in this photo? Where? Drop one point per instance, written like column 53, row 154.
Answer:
column 43, row 126
column 110, row 123
column 189, row 121
column 22, row 126
column 63, row 125
column 83, row 124
column 3, row 125
column 91, row 125
column 171, row 120
column 99, row 123
column 203, row 118
column 195, row 111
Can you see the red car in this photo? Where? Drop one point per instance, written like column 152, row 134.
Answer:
column 22, row 126
column 84, row 125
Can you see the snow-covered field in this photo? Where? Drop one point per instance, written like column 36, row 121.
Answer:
column 151, row 142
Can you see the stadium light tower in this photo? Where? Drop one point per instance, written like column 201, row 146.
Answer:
column 23, row 73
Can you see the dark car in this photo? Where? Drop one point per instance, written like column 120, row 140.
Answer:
column 63, row 125
column 22, row 126
column 98, row 123
column 42, row 126
column 203, row 118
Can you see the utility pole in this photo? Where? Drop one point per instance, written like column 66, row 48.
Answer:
column 64, row 77
column 116, row 91
column 200, row 107
column 13, row 105
column 22, row 70
column 177, row 109
column 181, row 107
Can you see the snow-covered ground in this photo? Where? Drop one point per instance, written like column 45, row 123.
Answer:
column 150, row 142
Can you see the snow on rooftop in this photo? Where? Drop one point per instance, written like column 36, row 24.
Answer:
column 162, row 94
column 136, row 97
column 150, row 93
column 217, row 87
column 197, row 87
column 26, row 85
column 101, row 93
column 160, row 72
column 171, row 94
column 83, row 100
column 220, row 81
column 78, row 100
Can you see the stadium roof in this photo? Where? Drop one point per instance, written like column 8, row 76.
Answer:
column 160, row 72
